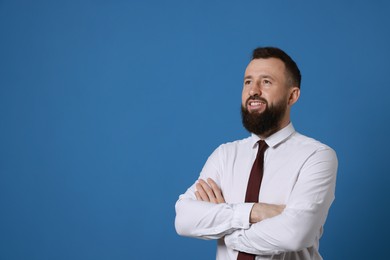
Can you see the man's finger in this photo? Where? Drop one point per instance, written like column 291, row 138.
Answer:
column 198, row 197
column 208, row 190
column 201, row 192
column 217, row 191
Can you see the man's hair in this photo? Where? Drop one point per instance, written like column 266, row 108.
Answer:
column 293, row 73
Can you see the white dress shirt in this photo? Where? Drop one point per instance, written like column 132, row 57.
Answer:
column 299, row 172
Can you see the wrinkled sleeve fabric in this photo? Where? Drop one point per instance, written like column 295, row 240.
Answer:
column 301, row 222
column 207, row 220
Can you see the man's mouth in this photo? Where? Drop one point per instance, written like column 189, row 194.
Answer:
column 256, row 105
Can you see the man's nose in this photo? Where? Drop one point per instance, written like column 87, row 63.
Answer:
column 255, row 90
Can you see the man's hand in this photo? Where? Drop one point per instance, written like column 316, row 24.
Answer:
column 209, row 191
column 261, row 211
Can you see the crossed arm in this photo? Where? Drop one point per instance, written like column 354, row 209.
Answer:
column 210, row 192
column 261, row 228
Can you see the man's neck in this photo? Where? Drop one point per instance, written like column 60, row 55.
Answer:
column 274, row 130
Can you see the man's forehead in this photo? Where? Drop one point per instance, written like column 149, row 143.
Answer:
column 265, row 66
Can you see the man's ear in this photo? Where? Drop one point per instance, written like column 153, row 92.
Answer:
column 294, row 95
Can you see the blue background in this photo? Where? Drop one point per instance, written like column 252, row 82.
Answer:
column 109, row 109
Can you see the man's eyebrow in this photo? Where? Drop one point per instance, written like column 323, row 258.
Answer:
column 267, row 76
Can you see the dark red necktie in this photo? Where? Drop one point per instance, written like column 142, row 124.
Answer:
column 253, row 188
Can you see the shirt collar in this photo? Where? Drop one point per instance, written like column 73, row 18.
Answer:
column 276, row 138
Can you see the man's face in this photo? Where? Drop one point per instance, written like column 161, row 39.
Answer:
column 265, row 96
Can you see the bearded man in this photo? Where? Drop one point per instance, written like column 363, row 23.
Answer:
column 266, row 196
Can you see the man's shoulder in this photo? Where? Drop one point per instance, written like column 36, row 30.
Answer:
column 305, row 142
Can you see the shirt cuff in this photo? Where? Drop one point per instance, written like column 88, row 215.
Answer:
column 241, row 215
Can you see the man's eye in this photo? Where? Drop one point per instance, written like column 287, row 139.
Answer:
column 247, row 82
column 266, row 82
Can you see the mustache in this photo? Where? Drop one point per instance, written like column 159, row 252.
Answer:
column 255, row 97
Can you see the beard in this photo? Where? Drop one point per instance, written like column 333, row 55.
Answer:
column 265, row 123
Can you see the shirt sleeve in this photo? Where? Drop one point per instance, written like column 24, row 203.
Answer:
column 301, row 222
column 208, row 220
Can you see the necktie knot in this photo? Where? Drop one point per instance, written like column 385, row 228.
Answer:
column 262, row 147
